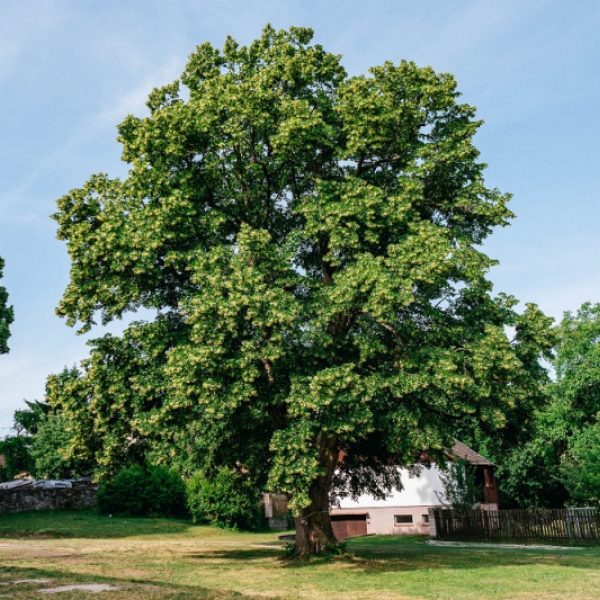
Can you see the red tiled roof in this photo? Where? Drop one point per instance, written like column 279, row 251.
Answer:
column 459, row 450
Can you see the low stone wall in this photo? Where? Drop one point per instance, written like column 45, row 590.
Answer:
column 81, row 495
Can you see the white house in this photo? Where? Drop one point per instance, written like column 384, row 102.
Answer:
column 406, row 512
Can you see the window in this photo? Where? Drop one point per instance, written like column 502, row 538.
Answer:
column 424, row 519
column 403, row 519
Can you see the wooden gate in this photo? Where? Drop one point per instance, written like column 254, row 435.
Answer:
column 346, row 526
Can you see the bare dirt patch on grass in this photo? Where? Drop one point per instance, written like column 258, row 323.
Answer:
column 94, row 588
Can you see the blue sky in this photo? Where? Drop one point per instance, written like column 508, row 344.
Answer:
column 71, row 70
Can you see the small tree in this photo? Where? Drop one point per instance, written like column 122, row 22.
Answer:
column 26, row 421
column 17, row 457
column 460, row 491
column 16, row 449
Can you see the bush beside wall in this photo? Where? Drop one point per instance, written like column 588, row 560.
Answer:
column 226, row 499
column 149, row 492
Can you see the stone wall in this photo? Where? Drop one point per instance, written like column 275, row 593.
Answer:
column 81, row 495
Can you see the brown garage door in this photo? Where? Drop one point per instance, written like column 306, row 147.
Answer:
column 346, row 526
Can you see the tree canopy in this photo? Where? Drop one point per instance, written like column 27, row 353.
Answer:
column 6, row 315
column 559, row 462
column 577, row 365
column 311, row 245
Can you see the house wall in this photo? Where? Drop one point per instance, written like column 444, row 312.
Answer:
column 382, row 520
column 417, row 496
column 419, row 490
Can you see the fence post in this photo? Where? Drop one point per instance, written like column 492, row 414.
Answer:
column 433, row 523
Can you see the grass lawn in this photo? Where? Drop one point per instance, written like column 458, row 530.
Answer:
column 158, row 559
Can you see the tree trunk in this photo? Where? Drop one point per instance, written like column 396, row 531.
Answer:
column 314, row 533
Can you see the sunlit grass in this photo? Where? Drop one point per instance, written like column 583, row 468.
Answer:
column 87, row 524
column 159, row 558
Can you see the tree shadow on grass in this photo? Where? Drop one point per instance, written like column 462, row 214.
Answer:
column 389, row 558
column 408, row 557
column 242, row 554
column 127, row 588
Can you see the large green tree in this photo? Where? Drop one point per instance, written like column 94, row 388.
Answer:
column 576, row 390
column 311, row 244
column 552, row 460
column 564, row 464
column 6, row 315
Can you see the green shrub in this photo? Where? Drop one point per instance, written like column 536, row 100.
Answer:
column 226, row 499
column 16, row 452
column 139, row 492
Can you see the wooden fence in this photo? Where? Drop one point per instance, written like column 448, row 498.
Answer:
column 573, row 526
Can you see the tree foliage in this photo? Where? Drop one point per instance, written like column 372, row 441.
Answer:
column 311, row 243
column 28, row 420
column 577, row 364
column 43, row 444
column 55, row 430
column 575, row 413
column 580, row 466
column 17, row 457
column 458, row 479
column 51, row 449
column 568, row 427
column 554, row 463
column 6, row 315
column 16, row 449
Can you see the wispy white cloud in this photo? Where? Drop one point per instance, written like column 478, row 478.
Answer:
column 133, row 101
column 19, row 203
column 23, row 375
